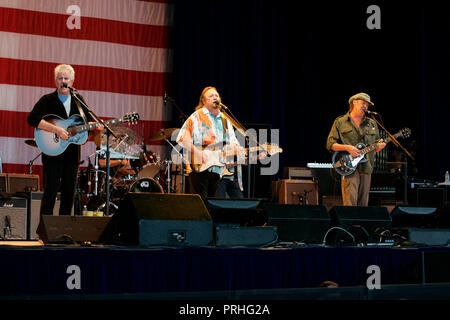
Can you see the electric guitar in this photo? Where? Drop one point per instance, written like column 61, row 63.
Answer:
column 216, row 156
column 345, row 164
column 52, row 145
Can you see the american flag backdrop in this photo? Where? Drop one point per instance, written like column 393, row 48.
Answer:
column 120, row 52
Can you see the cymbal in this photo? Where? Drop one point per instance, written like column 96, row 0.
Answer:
column 127, row 142
column 396, row 163
column 31, row 143
column 162, row 134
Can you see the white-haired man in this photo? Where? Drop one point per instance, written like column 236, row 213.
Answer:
column 59, row 172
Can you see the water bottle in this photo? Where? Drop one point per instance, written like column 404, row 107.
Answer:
column 447, row 177
column 84, row 213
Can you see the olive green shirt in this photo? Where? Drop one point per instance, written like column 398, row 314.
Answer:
column 344, row 131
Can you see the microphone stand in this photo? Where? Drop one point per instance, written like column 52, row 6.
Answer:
column 32, row 161
column 109, row 132
column 182, row 117
column 395, row 141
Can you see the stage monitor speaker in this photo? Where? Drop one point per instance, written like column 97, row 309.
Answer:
column 13, row 219
column 71, row 229
column 303, row 223
column 409, row 216
column 34, row 211
column 230, row 236
column 431, row 237
column 23, row 182
column 154, row 219
column 245, row 212
column 361, row 222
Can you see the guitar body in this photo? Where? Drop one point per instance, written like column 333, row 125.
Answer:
column 217, row 156
column 345, row 164
column 78, row 130
column 51, row 144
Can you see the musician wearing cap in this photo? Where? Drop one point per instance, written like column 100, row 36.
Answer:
column 206, row 136
column 348, row 131
column 59, row 171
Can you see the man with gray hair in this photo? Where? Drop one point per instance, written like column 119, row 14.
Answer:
column 60, row 171
column 347, row 131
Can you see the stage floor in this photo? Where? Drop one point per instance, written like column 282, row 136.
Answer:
column 34, row 269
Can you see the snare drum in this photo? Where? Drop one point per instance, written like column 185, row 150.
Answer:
column 146, row 185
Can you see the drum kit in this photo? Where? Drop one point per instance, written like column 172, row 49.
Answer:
column 145, row 172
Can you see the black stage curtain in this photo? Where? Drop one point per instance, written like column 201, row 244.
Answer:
column 295, row 66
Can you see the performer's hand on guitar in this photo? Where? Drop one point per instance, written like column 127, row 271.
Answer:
column 381, row 145
column 354, row 152
column 62, row 133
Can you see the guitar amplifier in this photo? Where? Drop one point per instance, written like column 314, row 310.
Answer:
column 13, row 218
column 22, row 182
column 289, row 191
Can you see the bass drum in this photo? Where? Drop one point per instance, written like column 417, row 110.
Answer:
column 146, row 185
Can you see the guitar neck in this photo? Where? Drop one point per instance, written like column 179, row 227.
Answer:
column 87, row 127
column 374, row 146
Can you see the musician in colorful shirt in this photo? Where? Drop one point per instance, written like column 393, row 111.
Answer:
column 209, row 142
column 347, row 131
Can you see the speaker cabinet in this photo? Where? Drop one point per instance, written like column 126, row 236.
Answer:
column 361, row 222
column 305, row 223
column 23, row 182
column 245, row 212
column 410, row 216
column 152, row 219
column 34, row 206
column 69, row 229
column 13, row 219
column 296, row 192
column 232, row 235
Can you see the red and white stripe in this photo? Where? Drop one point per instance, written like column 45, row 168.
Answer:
column 121, row 56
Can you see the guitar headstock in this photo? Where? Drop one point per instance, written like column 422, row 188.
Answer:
column 271, row 148
column 405, row 132
column 132, row 118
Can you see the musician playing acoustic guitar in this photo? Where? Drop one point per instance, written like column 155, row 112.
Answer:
column 60, row 171
column 347, row 131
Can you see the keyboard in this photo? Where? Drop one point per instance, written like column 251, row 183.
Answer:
column 316, row 165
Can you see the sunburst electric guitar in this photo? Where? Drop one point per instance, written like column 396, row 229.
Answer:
column 52, row 145
column 345, row 164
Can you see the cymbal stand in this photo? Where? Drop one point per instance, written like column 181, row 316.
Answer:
column 181, row 165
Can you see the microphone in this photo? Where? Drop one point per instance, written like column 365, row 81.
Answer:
column 220, row 104
column 165, row 98
column 371, row 112
column 65, row 85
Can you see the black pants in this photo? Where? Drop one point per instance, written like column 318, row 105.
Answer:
column 229, row 188
column 59, row 174
column 204, row 183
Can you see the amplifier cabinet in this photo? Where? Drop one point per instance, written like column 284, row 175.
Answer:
column 290, row 191
column 13, row 219
column 22, row 182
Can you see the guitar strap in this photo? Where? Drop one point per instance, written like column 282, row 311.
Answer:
column 80, row 109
